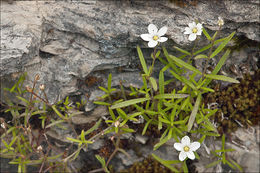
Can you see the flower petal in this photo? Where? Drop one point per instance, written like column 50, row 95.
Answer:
column 152, row 43
column 194, row 146
column 185, row 141
column 192, row 37
column 192, row 25
column 190, row 155
column 162, row 31
column 188, row 30
column 199, row 26
column 199, row 32
column 146, row 37
column 162, row 39
column 152, row 29
column 182, row 156
column 178, row 146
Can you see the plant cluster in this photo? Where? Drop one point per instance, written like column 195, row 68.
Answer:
column 177, row 114
column 237, row 104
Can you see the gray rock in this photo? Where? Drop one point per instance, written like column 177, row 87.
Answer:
column 97, row 113
column 66, row 41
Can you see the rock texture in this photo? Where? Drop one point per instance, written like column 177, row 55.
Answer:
column 66, row 42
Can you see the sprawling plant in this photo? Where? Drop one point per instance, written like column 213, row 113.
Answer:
column 177, row 114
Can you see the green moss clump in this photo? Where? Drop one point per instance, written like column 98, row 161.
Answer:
column 238, row 104
column 148, row 165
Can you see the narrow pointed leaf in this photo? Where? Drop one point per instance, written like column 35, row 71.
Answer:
column 200, row 56
column 181, row 50
column 142, row 60
column 221, row 77
column 184, row 64
column 222, row 45
column 154, row 83
column 129, row 102
column 194, row 112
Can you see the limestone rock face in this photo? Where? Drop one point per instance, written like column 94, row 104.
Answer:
column 65, row 41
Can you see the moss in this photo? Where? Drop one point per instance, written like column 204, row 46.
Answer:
column 238, row 104
column 148, row 165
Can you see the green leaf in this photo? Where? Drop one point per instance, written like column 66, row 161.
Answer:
column 206, row 34
column 194, row 112
column 102, row 103
column 23, row 99
column 74, row 140
column 109, row 80
column 184, row 64
column 129, row 102
column 202, row 139
column 167, row 163
column 161, row 82
column 184, row 167
column 207, row 89
column 146, row 126
column 181, row 50
column 237, row 165
column 229, row 164
column 162, row 141
column 58, row 112
column 93, row 127
column 208, row 46
column 221, row 77
column 170, row 96
column 154, row 83
column 200, row 56
column 213, row 164
column 55, row 123
column 142, row 60
column 101, row 160
column 222, row 45
column 219, row 65
column 103, row 89
column 128, row 130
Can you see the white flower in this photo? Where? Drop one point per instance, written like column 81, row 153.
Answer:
column 117, row 123
column 154, row 35
column 3, row 125
column 220, row 21
column 186, row 148
column 193, row 30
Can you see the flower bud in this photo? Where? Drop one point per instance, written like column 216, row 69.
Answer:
column 220, row 21
column 42, row 87
column 39, row 148
column 29, row 89
column 3, row 125
column 117, row 123
column 37, row 77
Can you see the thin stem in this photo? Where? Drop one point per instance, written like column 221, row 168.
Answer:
column 210, row 52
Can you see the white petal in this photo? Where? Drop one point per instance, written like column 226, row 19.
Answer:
column 152, row 43
column 152, row 29
column 192, row 25
column 146, row 37
column 162, row 31
column 178, row 146
column 185, row 141
column 199, row 26
column 182, row 156
column 188, row 30
column 190, row 155
column 194, row 146
column 162, row 39
column 199, row 32
column 192, row 37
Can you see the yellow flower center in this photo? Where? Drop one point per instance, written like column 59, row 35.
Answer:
column 155, row 37
column 194, row 30
column 186, row 148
